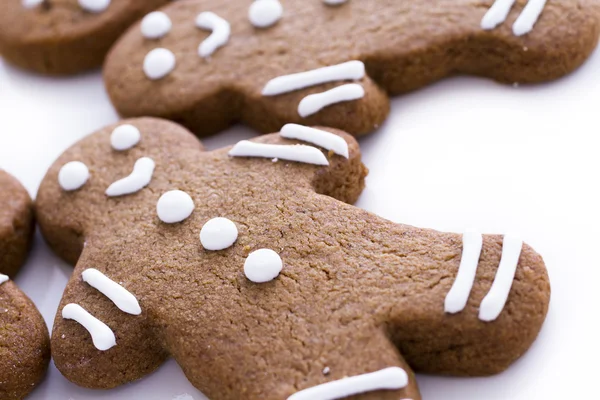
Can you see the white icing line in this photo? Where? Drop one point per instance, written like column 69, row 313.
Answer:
column 529, row 16
column 392, row 378
column 31, row 3
column 324, row 139
column 3, row 278
column 156, row 25
column 94, row 6
column 102, row 336
column 218, row 234
column 136, row 181
column 299, row 153
column 334, row 2
column 219, row 36
column 493, row 303
column 457, row 297
column 496, row 14
column 73, row 175
column 314, row 103
column 351, row 70
column 174, row 206
column 122, row 298
column 262, row 266
column 265, row 13
column 159, row 63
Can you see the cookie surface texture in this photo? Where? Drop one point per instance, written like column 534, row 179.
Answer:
column 63, row 37
column 24, row 341
column 307, row 290
column 251, row 72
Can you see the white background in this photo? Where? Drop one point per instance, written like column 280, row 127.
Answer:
column 463, row 153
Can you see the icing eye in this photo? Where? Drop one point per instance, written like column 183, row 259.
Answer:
column 262, row 266
column 156, row 25
column 174, row 206
column 124, row 137
column 159, row 63
column 265, row 13
column 73, row 175
column 218, row 234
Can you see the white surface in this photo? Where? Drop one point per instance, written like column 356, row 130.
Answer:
column 463, row 153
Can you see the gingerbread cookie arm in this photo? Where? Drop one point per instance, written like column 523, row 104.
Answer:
column 24, row 343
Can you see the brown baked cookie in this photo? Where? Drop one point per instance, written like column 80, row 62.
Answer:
column 260, row 280
column 61, row 37
column 24, row 341
column 217, row 65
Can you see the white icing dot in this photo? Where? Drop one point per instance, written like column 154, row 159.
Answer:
column 174, row 206
column 3, row 278
column 159, row 63
column 94, row 6
column 73, row 175
column 156, row 25
column 262, row 265
column 334, row 2
column 265, row 13
column 218, row 234
column 31, row 3
column 124, row 137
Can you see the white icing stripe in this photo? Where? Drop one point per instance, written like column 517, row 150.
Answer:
column 102, row 336
column 122, row 298
column 496, row 14
column 136, row 181
column 531, row 13
column 392, row 378
column 324, row 139
column 351, row 70
column 94, row 6
column 314, row 103
column 457, row 297
column 299, row 153
column 499, row 11
column 493, row 303
column 219, row 36
column 3, row 278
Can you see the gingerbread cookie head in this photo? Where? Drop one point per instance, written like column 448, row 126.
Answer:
column 24, row 341
column 247, row 265
column 61, row 37
column 313, row 62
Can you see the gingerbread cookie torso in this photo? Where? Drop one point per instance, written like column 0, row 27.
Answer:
column 250, row 268
column 24, row 339
column 313, row 63
column 62, row 37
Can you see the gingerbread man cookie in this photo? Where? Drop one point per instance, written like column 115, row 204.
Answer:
column 247, row 265
column 24, row 341
column 312, row 62
column 62, row 37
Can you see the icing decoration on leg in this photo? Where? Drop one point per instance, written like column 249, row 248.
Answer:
column 159, row 63
column 265, row 13
column 219, row 36
column 457, row 297
column 532, row 11
column 386, row 379
column 262, row 266
column 122, row 298
column 174, row 206
column 124, row 137
column 496, row 14
column 321, row 138
column 156, row 25
column 139, row 178
column 493, row 304
column 102, row 336
column 357, row 294
column 351, row 70
column 314, row 103
column 298, row 153
column 94, row 6
column 73, row 175
column 218, row 234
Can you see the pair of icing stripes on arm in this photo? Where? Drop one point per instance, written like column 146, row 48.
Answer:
column 92, row 6
column 495, row 300
column 499, row 11
column 102, row 336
